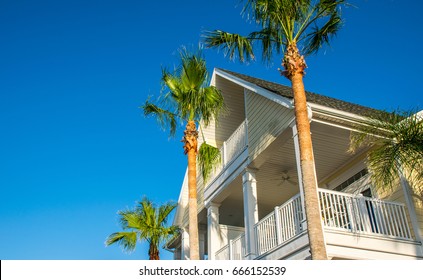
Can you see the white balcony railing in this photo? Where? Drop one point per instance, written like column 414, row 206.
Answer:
column 231, row 148
column 340, row 211
column 237, row 248
column 359, row 214
column 234, row 250
column 223, row 253
column 235, row 143
column 279, row 226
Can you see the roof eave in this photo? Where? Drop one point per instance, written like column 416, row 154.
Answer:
column 286, row 102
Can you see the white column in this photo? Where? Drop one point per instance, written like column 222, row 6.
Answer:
column 249, row 189
column 213, row 230
column 184, row 245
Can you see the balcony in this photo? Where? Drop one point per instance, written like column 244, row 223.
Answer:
column 343, row 214
column 231, row 149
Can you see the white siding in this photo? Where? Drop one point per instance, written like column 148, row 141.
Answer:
column 418, row 204
column 266, row 120
column 233, row 96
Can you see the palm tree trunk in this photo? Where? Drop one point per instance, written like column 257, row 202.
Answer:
column 153, row 252
column 190, row 148
column 294, row 64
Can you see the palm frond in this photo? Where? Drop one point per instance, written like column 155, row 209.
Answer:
column 322, row 35
column 396, row 146
column 209, row 158
column 271, row 40
column 194, row 71
column 129, row 219
column 164, row 117
column 126, row 240
column 233, row 45
column 147, row 222
column 209, row 105
column 283, row 22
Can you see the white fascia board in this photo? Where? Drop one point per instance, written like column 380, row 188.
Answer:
column 213, row 78
column 286, row 102
column 335, row 113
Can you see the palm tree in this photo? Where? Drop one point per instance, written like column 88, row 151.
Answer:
column 286, row 25
column 190, row 100
column 144, row 222
column 396, row 148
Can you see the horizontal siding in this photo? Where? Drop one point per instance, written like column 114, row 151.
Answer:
column 418, row 204
column 233, row 96
column 266, row 120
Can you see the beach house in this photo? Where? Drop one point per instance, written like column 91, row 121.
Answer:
column 252, row 206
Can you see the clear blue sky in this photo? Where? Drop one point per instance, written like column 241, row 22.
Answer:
column 74, row 146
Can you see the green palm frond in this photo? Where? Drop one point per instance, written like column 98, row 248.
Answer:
column 129, row 219
column 322, row 35
column 209, row 158
column 396, row 146
column 233, row 45
column 164, row 211
column 271, row 41
column 164, row 117
column 188, row 95
column 282, row 22
column 126, row 240
column 210, row 105
column 148, row 223
column 154, row 219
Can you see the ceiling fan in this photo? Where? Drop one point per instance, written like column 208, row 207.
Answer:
column 284, row 177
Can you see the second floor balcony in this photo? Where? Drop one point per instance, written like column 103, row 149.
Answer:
column 351, row 223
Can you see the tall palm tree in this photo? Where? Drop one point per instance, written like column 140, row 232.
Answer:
column 190, row 100
column 145, row 222
column 286, row 25
column 396, row 148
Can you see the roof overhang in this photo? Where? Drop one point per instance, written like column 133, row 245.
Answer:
column 286, row 102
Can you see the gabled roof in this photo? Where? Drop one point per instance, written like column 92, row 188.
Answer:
column 319, row 99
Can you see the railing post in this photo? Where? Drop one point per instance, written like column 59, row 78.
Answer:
column 350, row 213
column 231, row 250
column 365, row 219
column 278, row 225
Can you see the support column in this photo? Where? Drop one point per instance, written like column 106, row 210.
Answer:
column 184, row 245
column 213, row 230
column 249, row 189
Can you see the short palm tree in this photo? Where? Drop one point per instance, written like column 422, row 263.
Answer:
column 396, row 148
column 294, row 28
column 146, row 222
column 189, row 100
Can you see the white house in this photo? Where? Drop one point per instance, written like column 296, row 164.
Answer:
column 252, row 207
